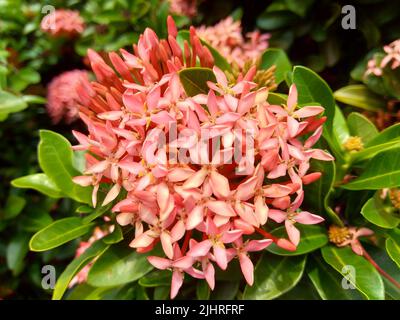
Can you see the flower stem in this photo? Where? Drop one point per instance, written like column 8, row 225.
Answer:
column 379, row 269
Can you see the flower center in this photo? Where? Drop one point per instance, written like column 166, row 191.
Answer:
column 338, row 235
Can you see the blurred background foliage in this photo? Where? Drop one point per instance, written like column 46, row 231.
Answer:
column 308, row 30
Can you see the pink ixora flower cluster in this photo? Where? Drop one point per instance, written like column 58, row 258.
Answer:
column 226, row 36
column 392, row 59
column 62, row 96
column 63, row 23
column 210, row 209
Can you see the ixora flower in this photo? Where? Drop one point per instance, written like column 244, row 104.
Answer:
column 63, row 23
column 184, row 7
column 62, row 97
column 150, row 142
column 226, row 36
column 343, row 236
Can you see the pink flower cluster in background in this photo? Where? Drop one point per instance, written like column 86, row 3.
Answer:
column 62, row 95
column 391, row 59
column 63, row 23
column 226, row 36
column 209, row 210
column 183, row 7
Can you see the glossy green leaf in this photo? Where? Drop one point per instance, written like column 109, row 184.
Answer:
column 276, row 98
column 385, row 140
column 58, row 233
column 39, row 182
column 56, row 160
column 274, row 275
column 98, row 212
column 95, row 250
column 276, row 20
column 376, row 212
column 115, row 236
column 118, row 265
column 321, row 189
column 383, row 171
column 312, row 238
column 393, row 250
column 358, row 95
column 328, row 282
column 361, row 126
column 367, row 280
column 156, row 278
column 312, row 88
column 194, row 80
column 225, row 290
column 276, row 57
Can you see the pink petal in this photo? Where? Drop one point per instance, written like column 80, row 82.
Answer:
column 293, row 126
column 276, row 191
column 220, row 256
column 219, row 184
column 277, row 215
column 257, row 245
column 261, row 210
column 293, row 232
column 231, row 236
column 209, row 274
column 200, row 249
column 195, row 217
column 247, row 268
column 221, row 208
column 308, row 111
column 196, row 180
column 183, row 263
column 292, row 98
column 159, row 263
column 112, row 194
column 166, row 243
column 124, row 218
column 176, row 283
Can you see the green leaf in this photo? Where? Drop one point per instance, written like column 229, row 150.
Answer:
column 194, row 80
column 276, row 98
column 202, row 290
column 328, row 282
column 35, row 219
column 39, row 182
column 17, row 249
column 114, row 237
column 362, row 127
column 276, row 20
column 393, row 250
column 385, row 140
column 118, row 265
column 14, row 205
column 219, row 60
column 95, row 250
column 274, row 275
column 58, row 233
column 340, row 129
column 383, row 171
column 367, row 280
column 358, row 95
column 225, row 290
column 278, row 58
column 375, row 211
column 312, row 238
column 10, row 103
column 23, row 78
column 381, row 257
column 313, row 89
column 321, row 189
column 56, row 160
column 156, row 278
column 98, row 212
